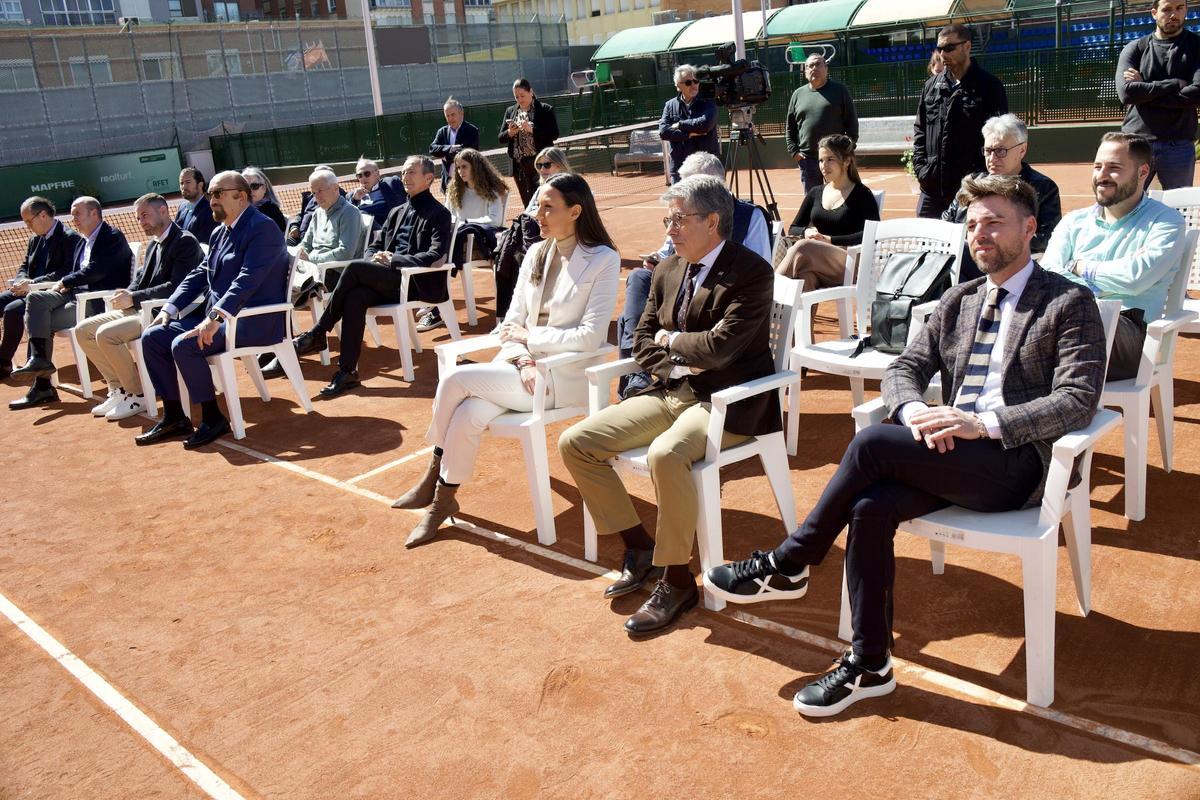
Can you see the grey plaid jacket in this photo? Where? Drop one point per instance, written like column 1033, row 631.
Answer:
column 1053, row 368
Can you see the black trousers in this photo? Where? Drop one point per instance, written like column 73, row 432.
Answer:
column 526, row 176
column 1127, row 345
column 885, row 478
column 363, row 284
column 13, row 308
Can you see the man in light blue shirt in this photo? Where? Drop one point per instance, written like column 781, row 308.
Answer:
column 1122, row 248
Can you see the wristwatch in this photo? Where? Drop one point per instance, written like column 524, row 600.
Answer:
column 214, row 315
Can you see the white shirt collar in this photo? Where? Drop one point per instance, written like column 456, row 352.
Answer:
column 1016, row 284
column 711, row 257
column 53, row 229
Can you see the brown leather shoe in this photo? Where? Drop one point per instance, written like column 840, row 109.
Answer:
column 665, row 605
column 635, row 568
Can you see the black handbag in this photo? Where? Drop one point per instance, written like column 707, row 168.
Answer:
column 907, row 280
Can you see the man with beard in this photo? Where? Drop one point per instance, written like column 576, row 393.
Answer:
column 1123, row 247
column 195, row 215
column 1157, row 79
column 1021, row 353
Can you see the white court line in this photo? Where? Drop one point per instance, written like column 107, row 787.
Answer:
column 134, row 717
column 389, row 465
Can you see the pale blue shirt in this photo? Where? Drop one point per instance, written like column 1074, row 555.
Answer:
column 1131, row 260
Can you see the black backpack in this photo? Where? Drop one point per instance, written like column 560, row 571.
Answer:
column 907, row 279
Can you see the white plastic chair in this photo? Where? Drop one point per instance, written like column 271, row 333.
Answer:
column 1031, row 534
column 402, row 316
column 880, row 240
column 1154, row 386
column 528, row 427
column 316, row 304
column 466, row 272
column 222, row 363
column 1187, row 202
column 770, row 449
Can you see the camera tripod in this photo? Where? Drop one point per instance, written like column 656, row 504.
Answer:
column 743, row 136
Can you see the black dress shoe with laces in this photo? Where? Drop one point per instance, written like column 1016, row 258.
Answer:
column 163, row 431
column 206, row 434
column 309, row 342
column 341, row 382
column 34, row 368
column 754, row 580
column 35, row 397
column 666, row 604
column 635, row 569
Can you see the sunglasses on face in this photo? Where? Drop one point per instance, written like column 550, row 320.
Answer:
column 949, row 47
column 256, row 186
column 689, row 82
column 213, row 194
column 543, row 164
column 366, row 173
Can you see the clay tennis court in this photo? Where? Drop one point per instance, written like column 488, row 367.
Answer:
column 244, row 621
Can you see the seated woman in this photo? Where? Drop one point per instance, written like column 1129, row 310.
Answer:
column 523, row 233
column 830, row 219
column 565, row 296
column 263, row 197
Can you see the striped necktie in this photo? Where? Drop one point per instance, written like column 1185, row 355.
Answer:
column 688, row 290
column 981, row 351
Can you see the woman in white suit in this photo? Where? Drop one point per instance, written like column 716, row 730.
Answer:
column 564, row 299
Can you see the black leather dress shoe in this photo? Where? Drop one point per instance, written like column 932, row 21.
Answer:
column 636, row 567
column 313, row 341
column 272, row 369
column 341, row 383
column 5, row 371
column 206, row 434
column 162, row 431
column 33, row 398
column 665, row 605
column 34, row 368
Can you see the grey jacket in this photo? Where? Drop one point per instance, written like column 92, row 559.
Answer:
column 1053, row 369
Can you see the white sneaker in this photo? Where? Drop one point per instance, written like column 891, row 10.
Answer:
column 131, row 404
column 115, row 396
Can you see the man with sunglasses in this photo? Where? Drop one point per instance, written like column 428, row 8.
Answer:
column 948, row 135
column 817, row 109
column 1157, row 79
column 376, row 195
column 689, row 122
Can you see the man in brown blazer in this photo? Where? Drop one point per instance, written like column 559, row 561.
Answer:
column 1021, row 355
column 706, row 327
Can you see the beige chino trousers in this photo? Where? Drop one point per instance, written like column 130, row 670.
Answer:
column 105, row 340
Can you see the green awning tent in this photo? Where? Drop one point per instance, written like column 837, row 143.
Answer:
column 647, row 41
column 888, row 12
column 710, row 32
column 812, row 18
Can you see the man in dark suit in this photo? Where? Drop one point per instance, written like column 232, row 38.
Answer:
column 452, row 138
column 416, row 234
column 49, row 256
column 102, row 261
column 376, row 195
column 706, row 327
column 247, row 266
column 104, row 338
column 1021, row 356
column 195, row 215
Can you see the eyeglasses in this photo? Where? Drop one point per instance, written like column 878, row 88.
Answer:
column 689, row 82
column 949, row 47
column 543, row 164
column 999, row 152
column 256, row 186
column 366, row 173
column 676, row 219
column 213, row 194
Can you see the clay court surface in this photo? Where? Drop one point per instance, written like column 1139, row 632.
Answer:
column 254, row 601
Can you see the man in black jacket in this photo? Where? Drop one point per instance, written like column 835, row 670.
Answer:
column 689, row 122
column 102, row 261
column 104, row 338
column 948, row 135
column 49, row 256
column 1157, row 79
column 416, row 234
column 452, row 138
column 529, row 126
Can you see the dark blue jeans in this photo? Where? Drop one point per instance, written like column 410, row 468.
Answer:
column 1174, row 163
column 637, row 292
column 810, row 173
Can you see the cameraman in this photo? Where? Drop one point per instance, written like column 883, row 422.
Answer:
column 688, row 122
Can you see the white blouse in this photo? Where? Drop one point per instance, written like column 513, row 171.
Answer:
column 475, row 209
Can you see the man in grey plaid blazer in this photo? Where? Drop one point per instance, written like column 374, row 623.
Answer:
column 1021, row 354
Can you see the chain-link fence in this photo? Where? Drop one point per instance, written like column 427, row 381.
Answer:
column 78, row 94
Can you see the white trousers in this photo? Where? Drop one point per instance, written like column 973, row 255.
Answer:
column 466, row 402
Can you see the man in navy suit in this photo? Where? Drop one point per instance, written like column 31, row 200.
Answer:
column 452, row 138
column 247, row 266
column 102, row 261
column 376, row 195
column 195, row 216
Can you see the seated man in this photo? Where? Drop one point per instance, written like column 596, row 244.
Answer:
column 751, row 228
column 1122, row 247
column 247, row 266
column 49, row 256
column 102, row 261
column 1022, row 353
column 1005, row 147
column 194, row 215
column 376, row 195
column 297, row 225
column 706, row 327
column 336, row 226
column 416, row 234
column 170, row 255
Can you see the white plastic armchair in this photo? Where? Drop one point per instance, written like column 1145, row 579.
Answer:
column 528, row 427
column 320, row 272
column 466, row 272
column 1031, row 534
column 1187, row 202
column 770, row 449
column 402, row 316
column 1153, row 387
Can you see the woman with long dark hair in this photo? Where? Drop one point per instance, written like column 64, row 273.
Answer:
column 565, row 296
column 529, row 125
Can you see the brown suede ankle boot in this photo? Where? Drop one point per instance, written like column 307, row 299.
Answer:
column 421, row 495
column 444, row 505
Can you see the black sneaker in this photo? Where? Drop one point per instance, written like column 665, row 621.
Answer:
column 848, row 683
column 432, row 318
column 754, row 580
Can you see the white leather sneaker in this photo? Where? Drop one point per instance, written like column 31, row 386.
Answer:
column 115, row 396
column 131, row 404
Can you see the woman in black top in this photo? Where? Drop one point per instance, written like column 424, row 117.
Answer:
column 263, row 197
column 830, row 219
column 529, row 125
